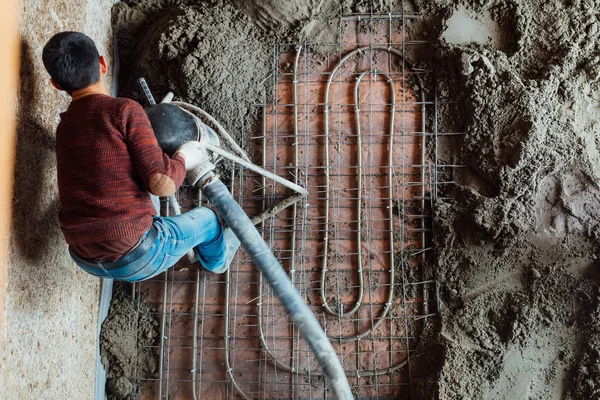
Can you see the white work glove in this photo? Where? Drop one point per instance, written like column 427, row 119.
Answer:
column 197, row 161
column 193, row 153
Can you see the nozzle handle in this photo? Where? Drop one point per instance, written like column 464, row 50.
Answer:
column 146, row 90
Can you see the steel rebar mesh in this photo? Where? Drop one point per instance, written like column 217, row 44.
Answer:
column 351, row 127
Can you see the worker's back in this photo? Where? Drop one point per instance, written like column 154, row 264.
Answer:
column 102, row 194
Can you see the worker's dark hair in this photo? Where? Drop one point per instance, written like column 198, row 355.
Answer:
column 71, row 59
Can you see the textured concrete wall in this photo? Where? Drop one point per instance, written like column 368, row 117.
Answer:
column 51, row 307
column 9, row 71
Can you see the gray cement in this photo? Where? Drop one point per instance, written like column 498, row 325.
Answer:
column 517, row 248
column 130, row 343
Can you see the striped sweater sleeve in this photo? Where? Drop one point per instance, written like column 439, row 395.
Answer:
column 161, row 174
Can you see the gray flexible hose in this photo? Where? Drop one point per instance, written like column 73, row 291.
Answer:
column 282, row 286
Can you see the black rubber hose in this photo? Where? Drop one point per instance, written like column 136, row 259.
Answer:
column 282, row 286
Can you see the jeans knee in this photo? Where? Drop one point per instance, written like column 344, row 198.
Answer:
column 207, row 212
column 206, row 215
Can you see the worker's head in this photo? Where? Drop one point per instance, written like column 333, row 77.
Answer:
column 73, row 61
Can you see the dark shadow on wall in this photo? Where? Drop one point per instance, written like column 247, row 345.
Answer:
column 35, row 224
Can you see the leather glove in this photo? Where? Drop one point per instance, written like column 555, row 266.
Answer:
column 193, row 153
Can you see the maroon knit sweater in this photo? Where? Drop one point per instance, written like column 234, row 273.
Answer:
column 108, row 160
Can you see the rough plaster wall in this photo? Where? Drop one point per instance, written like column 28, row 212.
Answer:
column 51, row 307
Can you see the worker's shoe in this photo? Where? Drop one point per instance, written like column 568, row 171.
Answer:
column 232, row 244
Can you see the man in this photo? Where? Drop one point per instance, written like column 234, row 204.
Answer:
column 108, row 160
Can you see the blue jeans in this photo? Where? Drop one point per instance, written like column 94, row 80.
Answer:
column 199, row 229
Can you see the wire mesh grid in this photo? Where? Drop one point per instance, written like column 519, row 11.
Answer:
column 348, row 122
